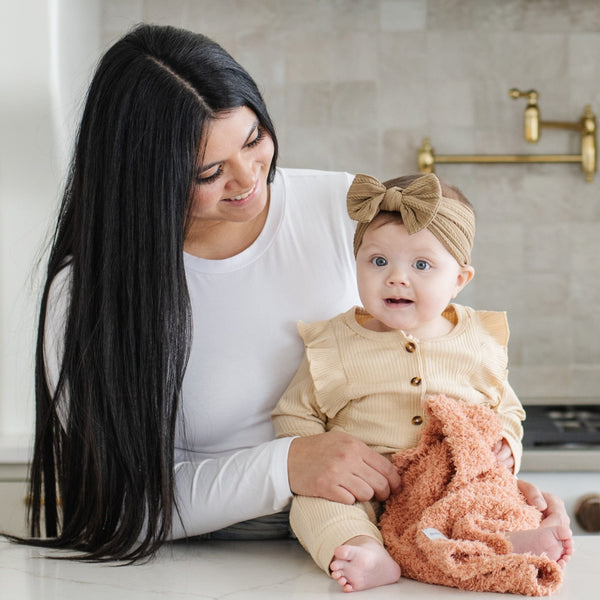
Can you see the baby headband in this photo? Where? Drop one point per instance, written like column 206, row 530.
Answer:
column 421, row 206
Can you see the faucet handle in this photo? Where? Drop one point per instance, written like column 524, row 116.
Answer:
column 531, row 121
column 531, row 95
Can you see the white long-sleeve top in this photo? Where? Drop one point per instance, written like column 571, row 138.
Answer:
column 246, row 349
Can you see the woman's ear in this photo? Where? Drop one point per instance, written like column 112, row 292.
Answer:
column 465, row 274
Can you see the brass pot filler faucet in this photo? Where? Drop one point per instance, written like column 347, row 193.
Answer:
column 586, row 126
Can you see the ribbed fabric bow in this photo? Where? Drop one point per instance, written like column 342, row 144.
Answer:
column 421, row 206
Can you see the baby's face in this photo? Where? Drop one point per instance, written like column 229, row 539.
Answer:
column 406, row 281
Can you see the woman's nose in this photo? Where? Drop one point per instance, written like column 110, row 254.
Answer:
column 243, row 172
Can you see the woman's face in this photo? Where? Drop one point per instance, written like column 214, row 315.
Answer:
column 231, row 175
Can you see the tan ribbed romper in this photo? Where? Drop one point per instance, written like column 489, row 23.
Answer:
column 373, row 385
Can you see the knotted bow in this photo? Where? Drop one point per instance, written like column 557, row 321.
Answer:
column 421, row 206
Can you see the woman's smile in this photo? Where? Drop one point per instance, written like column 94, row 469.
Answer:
column 249, row 195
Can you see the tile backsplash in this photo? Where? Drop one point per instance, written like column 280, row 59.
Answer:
column 356, row 84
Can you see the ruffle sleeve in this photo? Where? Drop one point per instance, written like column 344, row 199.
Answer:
column 325, row 365
column 496, row 324
column 508, row 407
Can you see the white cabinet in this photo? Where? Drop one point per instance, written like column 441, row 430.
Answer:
column 13, row 498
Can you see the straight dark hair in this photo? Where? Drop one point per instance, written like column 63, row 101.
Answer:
column 102, row 471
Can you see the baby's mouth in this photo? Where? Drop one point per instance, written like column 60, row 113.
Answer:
column 398, row 301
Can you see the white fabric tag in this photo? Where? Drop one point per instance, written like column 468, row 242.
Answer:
column 434, row 534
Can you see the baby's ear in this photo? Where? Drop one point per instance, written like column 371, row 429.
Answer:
column 464, row 276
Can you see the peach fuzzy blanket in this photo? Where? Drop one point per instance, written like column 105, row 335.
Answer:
column 445, row 524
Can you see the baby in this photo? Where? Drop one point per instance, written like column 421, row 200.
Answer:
column 368, row 371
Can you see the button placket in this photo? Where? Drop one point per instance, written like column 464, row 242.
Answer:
column 416, row 381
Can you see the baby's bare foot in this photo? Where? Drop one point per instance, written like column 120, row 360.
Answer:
column 363, row 563
column 554, row 542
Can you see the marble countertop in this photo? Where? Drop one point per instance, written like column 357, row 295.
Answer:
column 237, row 571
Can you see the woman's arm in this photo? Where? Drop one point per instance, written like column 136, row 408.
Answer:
column 211, row 494
column 215, row 493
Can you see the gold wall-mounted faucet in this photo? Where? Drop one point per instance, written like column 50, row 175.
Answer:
column 532, row 127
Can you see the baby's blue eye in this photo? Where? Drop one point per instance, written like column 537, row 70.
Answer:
column 421, row 265
column 379, row 261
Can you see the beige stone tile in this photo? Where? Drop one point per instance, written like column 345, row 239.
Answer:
column 354, row 56
column 403, row 107
column 402, row 59
column 546, row 340
column 118, row 17
column 542, row 381
column 454, row 55
column 500, row 248
column 403, row 15
column 584, row 15
column 585, row 381
column 547, row 294
column 585, row 259
column 309, row 104
column 546, row 15
column 354, row 105
column 351, row 16
column 212, row 18
column 308, row 57
column 168, row 12
column 586, row 341
column 453, row 103
column 583, row 52
column 547, row 248
column 355, row 150
column 264, row 57
column 504, row 292
column 449, row 15
column 584, row 294
column 399, row 152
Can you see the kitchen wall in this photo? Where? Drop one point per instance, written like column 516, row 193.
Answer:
column 356, row 85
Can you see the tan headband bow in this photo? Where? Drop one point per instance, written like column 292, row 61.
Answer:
column 421, row 206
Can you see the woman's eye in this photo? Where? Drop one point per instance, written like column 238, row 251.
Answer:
column 421, row 265
column 260, row 134
column 379, row 261
column 209, row 178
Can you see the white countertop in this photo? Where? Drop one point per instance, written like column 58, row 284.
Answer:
column 273, row 570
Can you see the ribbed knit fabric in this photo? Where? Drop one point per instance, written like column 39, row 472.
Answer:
column 373, row 385
column 321, row 526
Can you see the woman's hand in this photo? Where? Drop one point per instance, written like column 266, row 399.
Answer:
column 504, row 455
column 338, row 467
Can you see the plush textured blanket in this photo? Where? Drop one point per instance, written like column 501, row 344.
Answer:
column 445, row 525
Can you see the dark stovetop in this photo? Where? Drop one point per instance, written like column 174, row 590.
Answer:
column 567, row 426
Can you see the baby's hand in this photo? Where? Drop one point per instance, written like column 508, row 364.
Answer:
column 504, row 455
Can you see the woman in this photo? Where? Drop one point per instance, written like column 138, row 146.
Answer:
column 181, row 262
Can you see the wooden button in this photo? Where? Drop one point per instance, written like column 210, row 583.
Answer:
column 410, row 347
column 417, row 420
column 415, row 381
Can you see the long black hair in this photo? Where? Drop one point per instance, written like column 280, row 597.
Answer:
column 102, row 471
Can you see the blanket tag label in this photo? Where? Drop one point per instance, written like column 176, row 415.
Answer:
column 434, row 534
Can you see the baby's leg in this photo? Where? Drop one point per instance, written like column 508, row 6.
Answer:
column 554, row 542
column 362, row 563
